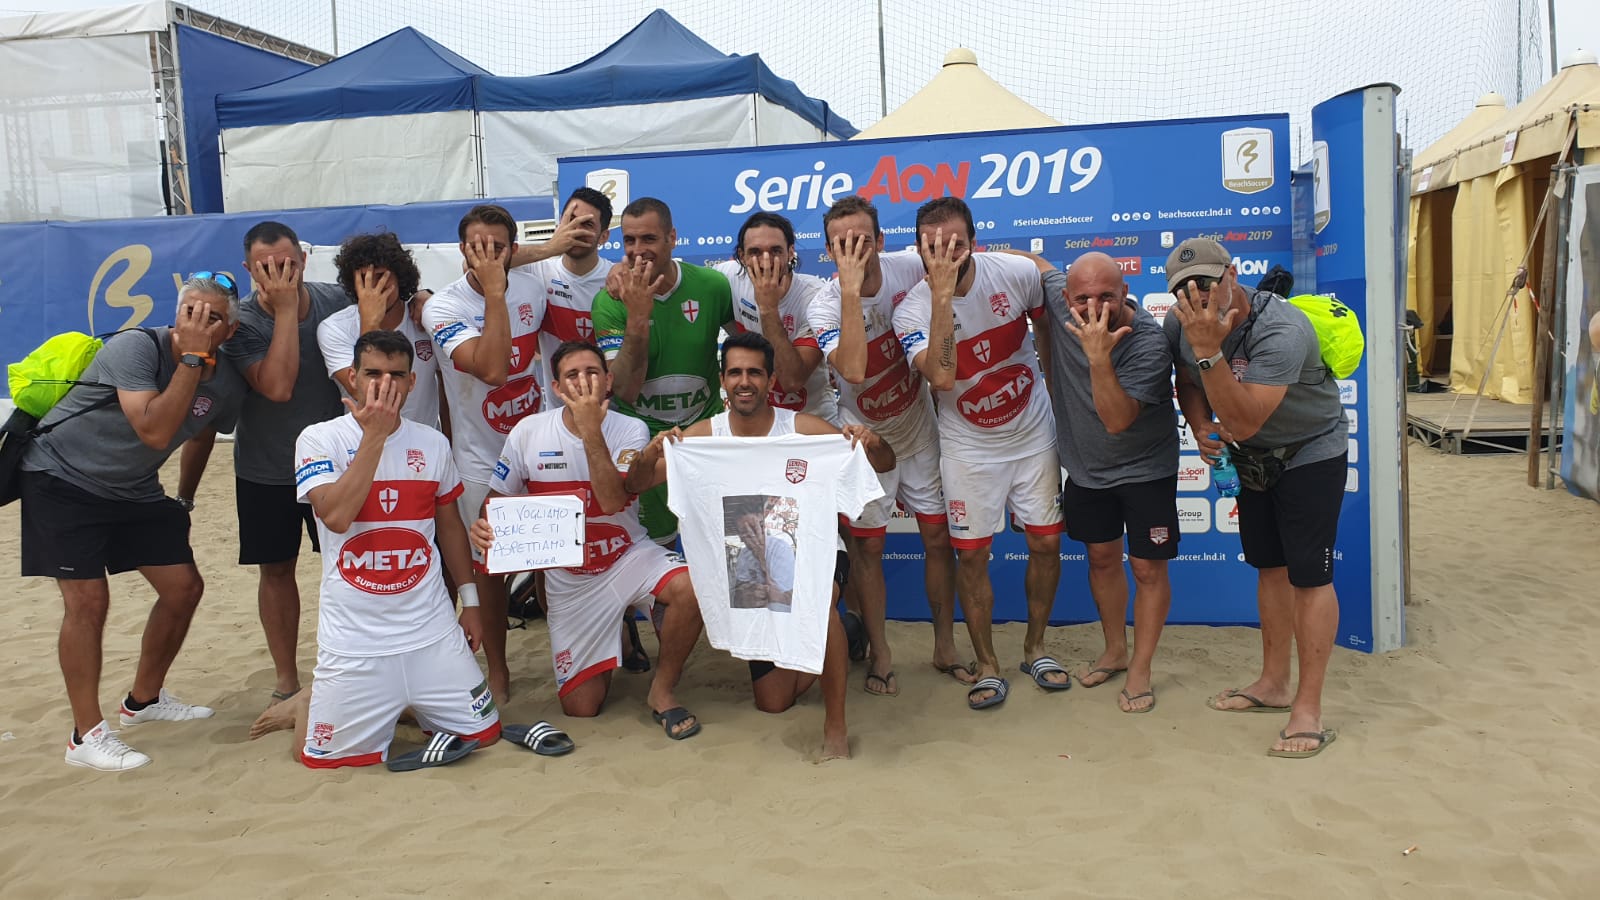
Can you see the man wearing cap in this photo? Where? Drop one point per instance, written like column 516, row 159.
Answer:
column 1254, row 361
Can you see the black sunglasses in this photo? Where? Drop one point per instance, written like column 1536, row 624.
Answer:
column 1201, row 282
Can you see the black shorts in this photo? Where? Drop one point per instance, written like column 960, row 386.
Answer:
column 68, row 532
column 270, row 521
column 1295, row 523
column 1148, row 510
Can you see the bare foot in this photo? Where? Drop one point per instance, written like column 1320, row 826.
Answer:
column 966, row 673
column 1293, row 742
column 1258, row 694
column 1136, row 696
column 280, row 715
column 835, row 746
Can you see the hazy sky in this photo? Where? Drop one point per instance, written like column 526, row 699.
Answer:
column 1069, row 58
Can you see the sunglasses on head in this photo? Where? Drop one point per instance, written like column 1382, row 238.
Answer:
column 222, row 278
column 1201, row 282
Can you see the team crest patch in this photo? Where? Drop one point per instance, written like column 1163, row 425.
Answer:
column 1158, row 536
column 1000, row 303
column 416, row 460
column 958, row 510
column 321, row 733
column 626, row 457
column 788, row 324
column 691, row 309
column 982, row 350
column 525, row 313
column 202, row 405
column 585, row 328
column 424, row 350
column 563, row 662
column 388, row 499
column 795, row 471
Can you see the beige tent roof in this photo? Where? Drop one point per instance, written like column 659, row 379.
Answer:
column 1540, row 121
column 1441, row 154
column 959, row 99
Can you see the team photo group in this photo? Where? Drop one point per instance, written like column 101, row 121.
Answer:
column 738, row 436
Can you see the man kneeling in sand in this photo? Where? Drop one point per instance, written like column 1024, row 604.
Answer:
column 383, row 489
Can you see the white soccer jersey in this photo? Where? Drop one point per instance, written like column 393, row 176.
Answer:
column 382, row 591
column 481, row 416
column 799, row 485
column 543, row 457
column 568, row 299
column 816, row 395
column 893, row 399
column 337, row 337
column 998, row 409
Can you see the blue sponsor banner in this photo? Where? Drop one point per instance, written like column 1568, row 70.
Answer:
column 1339, row 223
column 104, row 276
column 1132, row 191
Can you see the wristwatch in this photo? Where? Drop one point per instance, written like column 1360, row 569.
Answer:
column 188, row 505
column 194, row 360
column 1210, row 361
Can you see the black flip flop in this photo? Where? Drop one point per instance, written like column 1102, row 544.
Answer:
column 442, row 750
column 672, row 718
column 636, row 659
column 855, row 632
column 540, row 737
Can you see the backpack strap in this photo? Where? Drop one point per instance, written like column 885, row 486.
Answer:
column 104, row 401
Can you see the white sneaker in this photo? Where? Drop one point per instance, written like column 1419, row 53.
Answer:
column 102, row 749
column 167, row 708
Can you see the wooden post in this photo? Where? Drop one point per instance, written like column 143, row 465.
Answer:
column 1543, row 342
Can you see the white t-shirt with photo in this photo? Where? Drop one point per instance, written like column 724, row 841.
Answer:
column 815, row 478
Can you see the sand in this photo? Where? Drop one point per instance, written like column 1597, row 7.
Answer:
column 1477, row 744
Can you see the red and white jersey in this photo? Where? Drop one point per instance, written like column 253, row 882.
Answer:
column 815, row 397
column 567, row 301
column 382, row 590
column 481, row 416
column 893, row 399
column 998, row 409
column 543, row 456
column 337, row 335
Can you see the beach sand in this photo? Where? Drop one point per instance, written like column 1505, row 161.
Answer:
column 1477, row 743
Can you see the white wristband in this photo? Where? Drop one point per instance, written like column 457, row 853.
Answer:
column 469, row 596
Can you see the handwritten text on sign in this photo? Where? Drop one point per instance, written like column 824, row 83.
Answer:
column 534, row 533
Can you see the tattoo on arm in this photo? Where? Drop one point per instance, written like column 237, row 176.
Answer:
column 947, row 353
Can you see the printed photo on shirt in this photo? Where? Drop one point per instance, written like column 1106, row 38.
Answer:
column 759, row 544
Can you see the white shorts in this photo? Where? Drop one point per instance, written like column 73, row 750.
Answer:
column 916, row 483
column 977, row 494
column 585, row 614
column 470, row 505
column 356, row 701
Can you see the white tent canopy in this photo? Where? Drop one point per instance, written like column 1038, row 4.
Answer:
column 961, row 98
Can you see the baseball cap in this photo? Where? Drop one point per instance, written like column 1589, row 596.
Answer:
column 1196, row 257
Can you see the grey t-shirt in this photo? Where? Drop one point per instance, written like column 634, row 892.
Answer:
column 263, row 448
column 1281, row 348
column 1093, row 457
column 98, row 451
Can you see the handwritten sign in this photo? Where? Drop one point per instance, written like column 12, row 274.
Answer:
column 534, row 533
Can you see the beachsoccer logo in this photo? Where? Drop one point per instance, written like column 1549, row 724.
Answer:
column 611, row 182
column 1247, row 160
column 1321, row 192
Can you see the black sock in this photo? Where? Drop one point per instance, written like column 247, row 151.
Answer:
column 75, row 739
column 133, row 705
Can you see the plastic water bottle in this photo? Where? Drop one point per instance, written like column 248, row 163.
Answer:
column 1225, row 476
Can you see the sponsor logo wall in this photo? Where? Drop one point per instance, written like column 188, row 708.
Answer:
column 1058, row 192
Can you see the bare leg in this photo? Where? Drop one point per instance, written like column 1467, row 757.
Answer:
column 278, row 603
column 1275, row 600
column 866, row 573
column 777, row 690
column 1316, row 623
column 178, row 591
column 1040, row 583
column 1109, row 585
column 835, row 685
column 1152, row 600
column 680, row 630
column 495, row 604
column 84, row 602
column 977, row 603
column 587, row 699
column 939, row 582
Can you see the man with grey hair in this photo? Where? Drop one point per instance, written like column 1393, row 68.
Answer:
column 92, row 504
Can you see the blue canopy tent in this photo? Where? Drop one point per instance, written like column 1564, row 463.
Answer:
column 658, row 87
column 392, row 122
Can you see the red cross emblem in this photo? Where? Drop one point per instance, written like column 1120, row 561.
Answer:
column 691, row 309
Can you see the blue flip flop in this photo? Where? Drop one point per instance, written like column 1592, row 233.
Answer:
column 1000, row 686
column 540, row 737
column 1043, row 666
column 441, row 750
